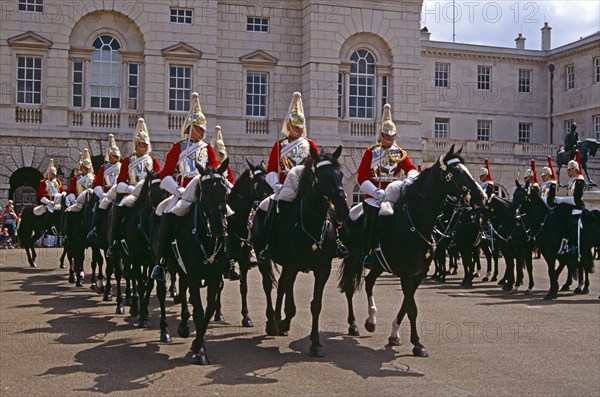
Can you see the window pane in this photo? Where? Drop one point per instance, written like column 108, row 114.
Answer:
column 29, row 80
column 256, row 94
column 362, row 87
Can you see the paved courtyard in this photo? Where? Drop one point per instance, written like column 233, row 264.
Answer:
column 57, row 340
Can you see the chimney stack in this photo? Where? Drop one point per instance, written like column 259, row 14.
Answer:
column 425, row 33
column 546, row 37
column 520, row 40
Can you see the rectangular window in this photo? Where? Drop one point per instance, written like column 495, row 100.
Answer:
column 570, row 77
column 442, row 74
column 77, row 83
column 133, row 79
column 484, row 77
column 31, row 5
column 257, row 24
column 384, row 90
column 180, row 88
column 597, row 127
column 256, row 94
column 181, row 15
column 340, row 95
column 597, row 70
column 525, row 132
column 524, row 80
column 440, row 129
column 29, row 80
column 484, row 130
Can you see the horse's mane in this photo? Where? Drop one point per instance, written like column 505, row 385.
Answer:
column 308, row 177
column 417, row 186
column 144, row 191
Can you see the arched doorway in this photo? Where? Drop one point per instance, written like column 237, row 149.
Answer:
column 24, row 183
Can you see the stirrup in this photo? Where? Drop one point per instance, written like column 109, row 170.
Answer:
column 92, row 235
column 232, row 274
column 367, row 261
column 341, row 251
column 111, row 252
column 158, row 273
column 264, row 256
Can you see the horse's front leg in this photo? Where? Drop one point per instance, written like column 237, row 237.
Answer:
column 286, row 288
column 321, row 274
column 552, row 275
column 409, row 287
column 371, row 321
column 509, row 273
column 246, row 320
column 199, row 316
column 218, row 312
column 520, row 264
column 161, row 293
column 266, row 270
column 62, row 258
column 529, row 264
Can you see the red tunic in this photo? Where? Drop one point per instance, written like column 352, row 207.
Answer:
column 99, row 179
column 230, row 177
column 274, row 160
column 170, row 166
column 42, row 192
column 124, row 173
column 365, row 172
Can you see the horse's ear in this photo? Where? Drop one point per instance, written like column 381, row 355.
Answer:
column 459, row 150
column 250, row 165
column 314, row 154
column 337, row 152
column 517, row 184
column 223, row 167
column 263, row 166
column 450, row 152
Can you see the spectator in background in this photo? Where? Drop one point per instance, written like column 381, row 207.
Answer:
column 9, row 219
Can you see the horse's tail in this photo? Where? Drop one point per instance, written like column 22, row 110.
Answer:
column 350, row 275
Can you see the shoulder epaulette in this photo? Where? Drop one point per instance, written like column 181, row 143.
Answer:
column 580, row 177
column 374, row 146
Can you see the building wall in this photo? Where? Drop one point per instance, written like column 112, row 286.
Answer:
column 309, row 43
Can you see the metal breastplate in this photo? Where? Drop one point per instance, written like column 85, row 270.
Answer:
column 571, row 187
column 187, row 166
column 384, row 162
column 137, row 172
column 545, row 189
column 52, row 187
column 84, row 182
column 111, row 174
column 297, row 154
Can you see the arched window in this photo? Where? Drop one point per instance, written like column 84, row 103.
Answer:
column 357, row 195
column 362, row 85
column 105, row 76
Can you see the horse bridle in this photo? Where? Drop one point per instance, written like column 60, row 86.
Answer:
column 449, row 177
column 221, row 208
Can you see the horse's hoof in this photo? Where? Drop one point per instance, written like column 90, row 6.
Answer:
column 550, row 296
column 577, row 290
column 120, row 310
column 393, row 341
column 514, row 290
column 485, row 279
column 93, row 280
column 475, row 275
column 317, row 351
column 183, row 331
column 32, row 264
column 98, row 289
column 507, row 287
column 165, row 337
column 174, row 293
column 177, row 299
column 585, row 291
column 201, row 359
column 143, row 323
column 353, row 330
column 501, row 281
column 271, row 329
column 420, row 351
column 528, row 291
column 133, row 311
column 370, row 327
column 93, row 286
column 454, row 272
column 62, row 266
column 247, row 323
column 565, row 288
column 78, row 283
column 494, row 279
column 107, row 298
column 219, row 318
column 127, row 302
column 71, row 279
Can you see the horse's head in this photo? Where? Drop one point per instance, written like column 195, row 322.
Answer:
column 457, row 179
column 327, row 180
column 155, row 192
column 592, row 145
column 521, row 196
column 259, row 186
column 213, row 197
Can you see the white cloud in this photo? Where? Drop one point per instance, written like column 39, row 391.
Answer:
column 498, row 23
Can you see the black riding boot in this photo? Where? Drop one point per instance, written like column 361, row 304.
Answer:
column 114, row 234
column 92, row 234
column 165, row 238
column 371, row 214
column 264, row 256
column 572, row 234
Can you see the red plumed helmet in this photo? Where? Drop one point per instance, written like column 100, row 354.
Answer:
column 578, row 159
column 535, row 178
column 487, row 167
column 551, row 168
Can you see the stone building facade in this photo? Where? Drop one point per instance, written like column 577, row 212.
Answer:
column 71, row 74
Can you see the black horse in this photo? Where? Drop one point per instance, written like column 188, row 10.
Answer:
column 136, row 252
column 588, row 147
column 546, row 227
column 201, row 256
column 405, row 241
column 249, row 190
column 304, row 239
column 32, row 227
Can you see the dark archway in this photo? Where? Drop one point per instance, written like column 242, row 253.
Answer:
column 26, row 176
